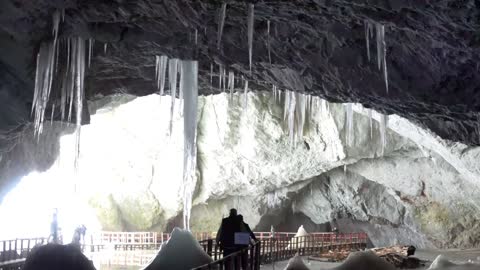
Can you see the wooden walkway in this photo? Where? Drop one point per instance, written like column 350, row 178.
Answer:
column 270, row 248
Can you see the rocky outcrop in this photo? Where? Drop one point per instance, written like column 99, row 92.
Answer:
column 420, row 191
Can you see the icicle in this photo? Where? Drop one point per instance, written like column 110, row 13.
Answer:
column 172, row 77
column 371, row 123
column 189, row 79
column 43, row 83
column 268, row 42
column 300, row 114
column 180, row 94
column 224, row 79
column 211, row 75
column 245, row 95
column 349, row 124
column 79, row 86
column 379, row 45
column 383, row 132
column 231, row 82
column 221, row 23
column 161, row 70
column 367, row 38
column 345, row 169
column 90, row 51
column 105, row 48
column 250, row 33
column 287, row 105
column 291, row 118
column 384, row 59
column 53, row 113
column 220, row 77
column 196, row 36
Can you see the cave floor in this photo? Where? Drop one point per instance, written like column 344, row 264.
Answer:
column 455, row 255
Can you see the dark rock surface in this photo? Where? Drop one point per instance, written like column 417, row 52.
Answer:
column 318, row 46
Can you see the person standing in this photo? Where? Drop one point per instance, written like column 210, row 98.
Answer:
column 54, row 227
column 226, row 233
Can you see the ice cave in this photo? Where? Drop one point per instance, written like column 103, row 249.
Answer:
column 239, row 134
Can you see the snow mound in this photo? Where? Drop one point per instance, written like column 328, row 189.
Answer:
column 364, row 260
column 296, row 263
column 442, row 263
column 57, row 257
column 301, row 232
column 181, row 252
column 293, row 243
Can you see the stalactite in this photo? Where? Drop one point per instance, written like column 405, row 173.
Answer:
column 189, row 83
column 221, row 23
column 251, row 19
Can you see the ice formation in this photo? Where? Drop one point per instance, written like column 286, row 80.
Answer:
column 90, row 50
column 79, row 72
column 291, row 116
column 295, row 114
column 383, row 131
column 245, row 94
column 189, row 83
column 231, row 82
column 221, row 23
column 296, row 263
column 181, row 252
column 368, row 35
column 300, row 114
column 296, row 242
column 370, row 120
column 382, row 51
column 172, row 78
column 160, row 72
column 364, row 260
column 268, row 43
column 251, row 18
column 349, row 124
column 441, row 263
column 105, row 48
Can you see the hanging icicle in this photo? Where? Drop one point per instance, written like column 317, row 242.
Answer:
column 383, row 132
column 172, row 78
column 231, row 82
column 291, row 118
column 349, row 124
column 105, row 48
column 370, row 123
column 300, row 114
column 250, row 33
column 161, row 63
column 268, row 43
column 368, row 26
column 245, row 95
column 90, row 51
column 80, row 93
column 221, row 23
column 189, row 82
column 384, row 59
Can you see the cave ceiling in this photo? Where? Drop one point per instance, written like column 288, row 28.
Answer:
column 317, row 47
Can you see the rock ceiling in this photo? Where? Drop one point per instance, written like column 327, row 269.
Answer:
column 317, row 46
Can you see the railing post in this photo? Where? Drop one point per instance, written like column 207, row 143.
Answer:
column 209, row 247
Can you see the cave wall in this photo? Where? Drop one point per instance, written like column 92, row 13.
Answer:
column 420, row 191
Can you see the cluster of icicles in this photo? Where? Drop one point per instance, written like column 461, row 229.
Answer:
column 381, row 47
column 298, row 108
column 64, row 60
column 182, row 77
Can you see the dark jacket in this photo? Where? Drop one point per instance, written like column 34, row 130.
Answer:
column 226, row 232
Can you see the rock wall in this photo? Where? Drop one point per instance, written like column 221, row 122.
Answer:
column 421, row 190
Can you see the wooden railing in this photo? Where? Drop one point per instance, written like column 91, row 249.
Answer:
column 269, row 248
column 282, row 246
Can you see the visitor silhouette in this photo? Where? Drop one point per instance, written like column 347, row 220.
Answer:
column 226, row 233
